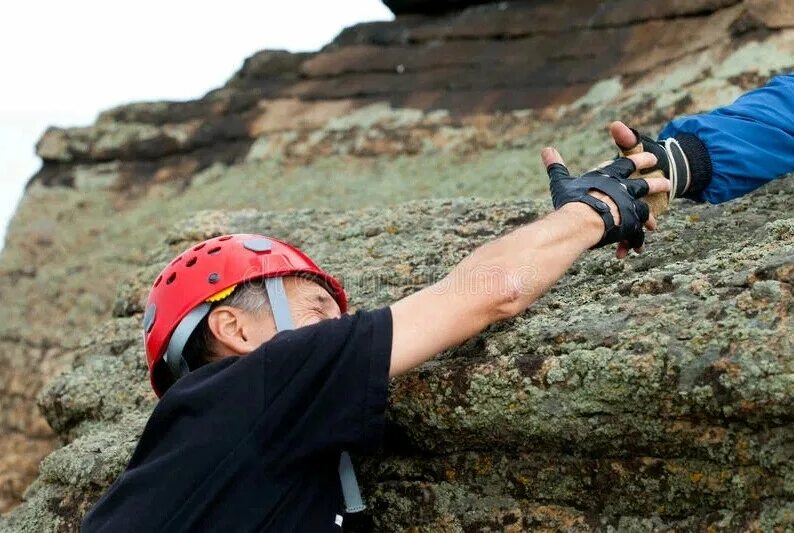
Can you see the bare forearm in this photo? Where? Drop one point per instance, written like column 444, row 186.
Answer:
column 529, row 260
column 498, row 280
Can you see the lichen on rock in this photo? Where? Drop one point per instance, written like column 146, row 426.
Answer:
column 657, row 390
column 423, row 108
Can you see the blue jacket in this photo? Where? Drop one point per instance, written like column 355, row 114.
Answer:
column 750, row 141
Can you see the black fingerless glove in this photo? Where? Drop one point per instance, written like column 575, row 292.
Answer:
column 683, row 159
column 613, row 181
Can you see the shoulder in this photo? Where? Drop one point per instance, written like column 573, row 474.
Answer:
column 331, row 334
column 326, row 351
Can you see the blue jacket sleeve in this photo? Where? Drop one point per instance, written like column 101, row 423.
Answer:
column 750, row 141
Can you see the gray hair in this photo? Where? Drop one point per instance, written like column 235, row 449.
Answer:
column 250, row 296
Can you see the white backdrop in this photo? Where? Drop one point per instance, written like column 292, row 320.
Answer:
column 62, row 62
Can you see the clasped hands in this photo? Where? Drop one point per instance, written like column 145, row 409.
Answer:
column 609, row 192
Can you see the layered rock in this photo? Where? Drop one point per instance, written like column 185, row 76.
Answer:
column 654, row 392
column 501, row 56
column 421, row 107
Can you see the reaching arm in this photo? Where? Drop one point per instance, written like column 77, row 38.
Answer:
column 498, row 280
column 502, row 278
column 731, row 150
column 750, row 141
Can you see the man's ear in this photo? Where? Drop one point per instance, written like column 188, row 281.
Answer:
column 228, row 326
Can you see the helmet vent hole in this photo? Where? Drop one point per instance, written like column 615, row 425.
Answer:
column 158, row 280
column 199, row 246
column 214, row 251
column 171, row 278
column 226, row 238
column 191, row 262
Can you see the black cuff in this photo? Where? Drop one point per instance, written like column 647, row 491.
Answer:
column 699, row 163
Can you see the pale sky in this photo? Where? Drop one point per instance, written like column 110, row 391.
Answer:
column 62, row 62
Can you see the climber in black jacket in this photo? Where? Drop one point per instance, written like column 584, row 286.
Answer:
column 266, row 382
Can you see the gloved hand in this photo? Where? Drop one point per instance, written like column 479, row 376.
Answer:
column 608, row 183
column 684, row 159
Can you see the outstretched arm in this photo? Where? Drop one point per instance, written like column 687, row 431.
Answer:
column 502, row 278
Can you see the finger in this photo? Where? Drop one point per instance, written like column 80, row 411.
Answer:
column 623, row 136
column 622, row 251
column 555, row 166
column 643, row 211
column 658, row 185
column 640, row 249
column 621, row 167
column 637, row 240
column 651, row 222
column 551, row 156
column 643, row 160
column 637, row 188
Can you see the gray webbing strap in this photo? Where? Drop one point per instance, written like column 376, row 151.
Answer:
column 350, row 490
column 283, row 318
column 279, row 304
column 173, row 354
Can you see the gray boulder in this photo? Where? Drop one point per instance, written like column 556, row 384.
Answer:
column 651, row 393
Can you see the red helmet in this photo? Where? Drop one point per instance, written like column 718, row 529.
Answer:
column 209, row 271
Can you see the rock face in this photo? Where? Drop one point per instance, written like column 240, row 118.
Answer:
column 653, row 392
column 446, row 106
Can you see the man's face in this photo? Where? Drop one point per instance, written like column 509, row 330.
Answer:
column 238, row 332
column 309, row 302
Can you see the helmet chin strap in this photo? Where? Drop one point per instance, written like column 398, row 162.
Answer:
column 173, row 355
column 282, row 316
column 279, row 304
